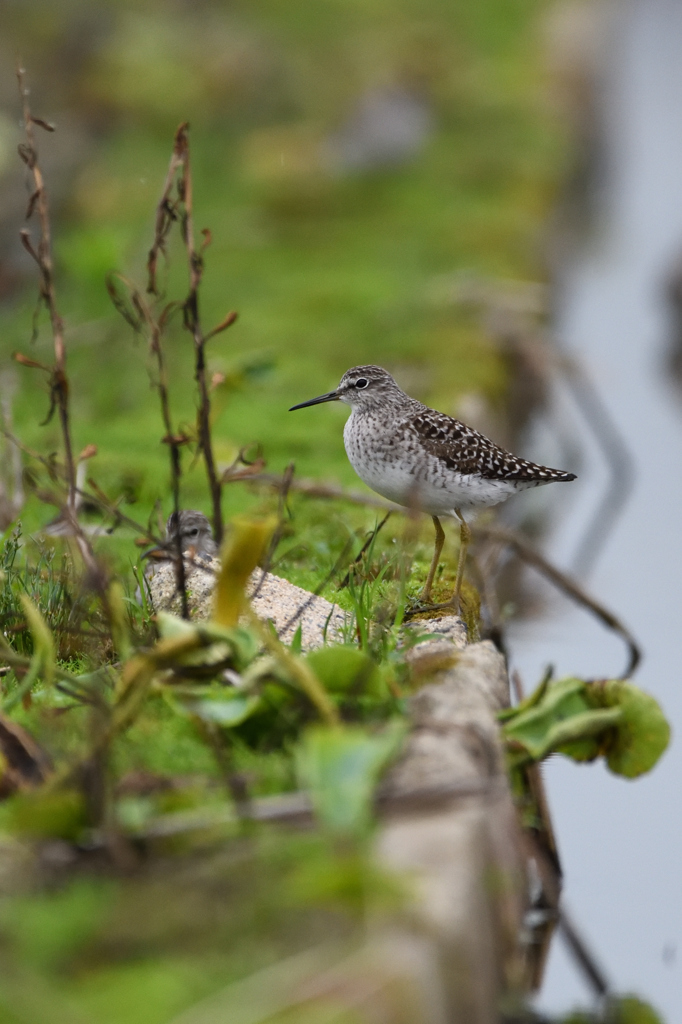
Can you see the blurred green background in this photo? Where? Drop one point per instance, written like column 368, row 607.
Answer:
column 350, row 159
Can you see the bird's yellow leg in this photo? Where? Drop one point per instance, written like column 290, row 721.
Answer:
column 464, row 538
column 440, row 538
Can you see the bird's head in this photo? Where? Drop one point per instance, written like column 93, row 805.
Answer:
column 195, row 532
column 362, row 387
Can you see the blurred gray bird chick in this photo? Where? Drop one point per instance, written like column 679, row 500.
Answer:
column 196, row 538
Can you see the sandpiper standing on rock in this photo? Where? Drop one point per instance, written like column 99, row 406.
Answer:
column 424, row 459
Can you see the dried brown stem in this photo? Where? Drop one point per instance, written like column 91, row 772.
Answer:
column 580, row 951
column 170, row 210
column 193, row 324
column 315, row 489
column 297, row 808
column 97, row 497
column 137, row 312
column 59, row 385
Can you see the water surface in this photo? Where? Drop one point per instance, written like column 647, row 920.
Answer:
column 620, row 841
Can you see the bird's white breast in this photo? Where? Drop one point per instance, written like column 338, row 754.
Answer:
column 391, row 462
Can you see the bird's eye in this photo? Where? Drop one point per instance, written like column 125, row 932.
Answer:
column 361, row 382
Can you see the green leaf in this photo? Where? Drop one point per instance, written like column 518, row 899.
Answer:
column 346, row 670
column 224, row 712
column 531, row 728
column 42, row 638
column 170, row 626
column 643, row 732
column 341, row 766
column 619, row 1010
column 297, row 641
column 583, row 720
column 59, row 814
column 234, row 646
column 631, row 1010
column 241, row 552
column 43, row 660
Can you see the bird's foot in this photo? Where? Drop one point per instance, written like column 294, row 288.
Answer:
column 423, row 605
column 453, row 606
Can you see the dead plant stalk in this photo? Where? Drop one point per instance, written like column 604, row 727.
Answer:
column 59, row 382
column 59, row 385
column 168, row 211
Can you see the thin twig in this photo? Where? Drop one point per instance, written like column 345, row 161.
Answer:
column 316, row 489
column 174, row 442
column 193, row 324
column 59, row 385
column 139, row 315
column 170, row 210
column 297, row 808
column 96, row 496
column 551, row 884
column 567, row 585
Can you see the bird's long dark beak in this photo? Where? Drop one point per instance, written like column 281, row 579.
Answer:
column 331, row 396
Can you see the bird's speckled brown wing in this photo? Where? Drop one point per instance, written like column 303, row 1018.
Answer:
column 463, row 450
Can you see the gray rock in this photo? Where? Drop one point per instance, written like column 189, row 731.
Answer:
column 272, row 598
column 455, row 736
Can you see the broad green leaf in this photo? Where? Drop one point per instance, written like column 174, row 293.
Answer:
column 171, row 626
column 581, row 736
column 235, row 644
column 346, row 670
column 585, row 720
column 643, row 732
column 341, row 766
column 532, row 725
column 241, row 552
column 244, row 642
column 528, row 702
column 632, row 1010
column 224, row 712
column 618, row 1010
